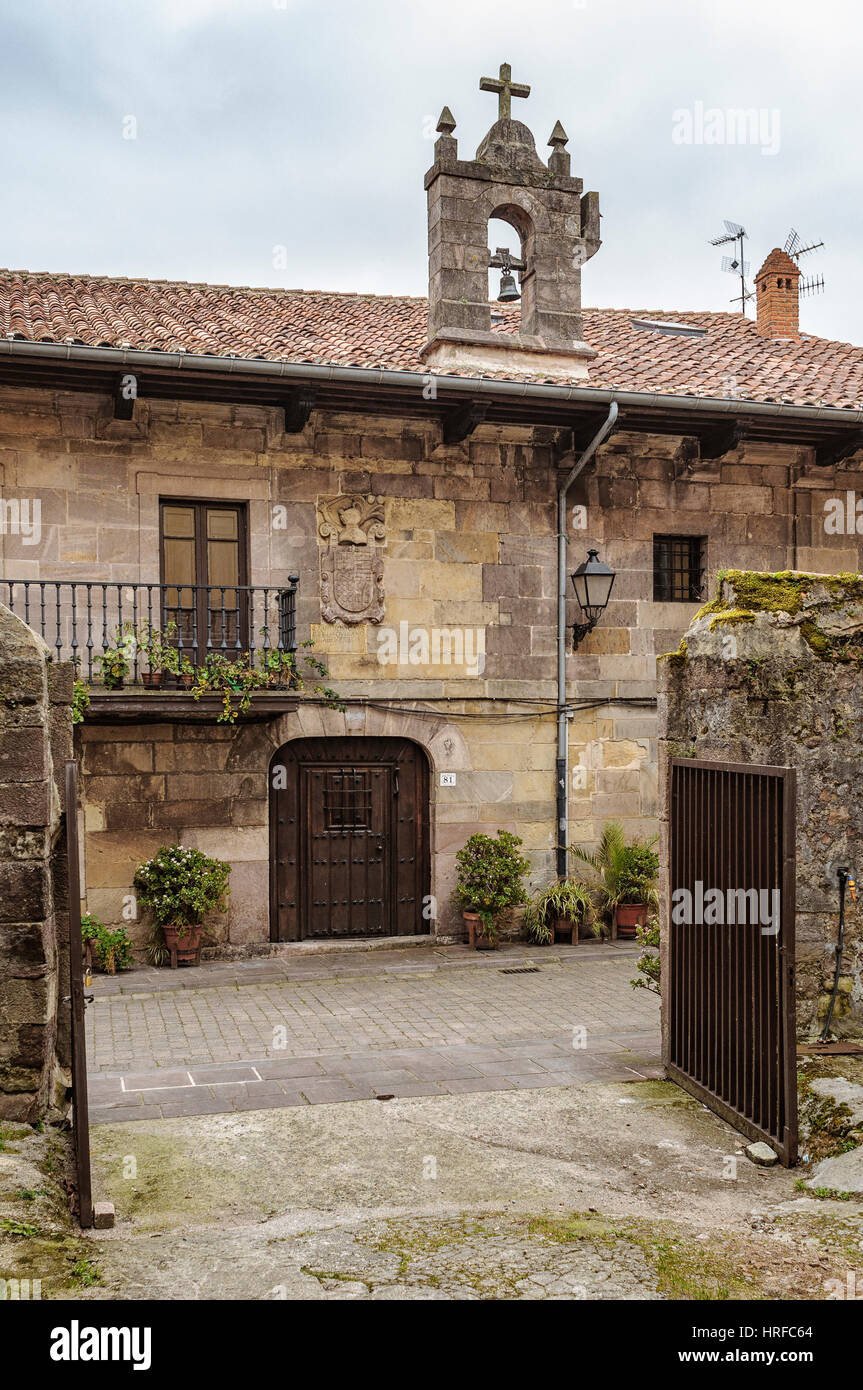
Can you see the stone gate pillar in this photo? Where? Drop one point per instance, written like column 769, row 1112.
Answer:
column 35, row 741
column 771, row 672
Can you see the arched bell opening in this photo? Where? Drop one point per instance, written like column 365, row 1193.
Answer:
column 510, row 244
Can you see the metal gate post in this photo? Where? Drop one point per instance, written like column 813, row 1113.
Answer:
column 80, row 1109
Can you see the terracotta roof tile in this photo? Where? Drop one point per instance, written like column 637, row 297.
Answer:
column 731, row 358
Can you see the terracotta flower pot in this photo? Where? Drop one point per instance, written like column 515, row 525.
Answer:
column 628, row 916
column 476, row 936
column 186, row 679
column 152, row 680
column 474, row 924
column 565, row 929
column 185, row 940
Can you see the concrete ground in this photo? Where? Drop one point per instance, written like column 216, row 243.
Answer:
column 580, row 1179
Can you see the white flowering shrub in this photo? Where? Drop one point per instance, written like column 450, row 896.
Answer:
column 179, row 885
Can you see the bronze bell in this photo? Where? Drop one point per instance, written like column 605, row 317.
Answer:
column 508, row 292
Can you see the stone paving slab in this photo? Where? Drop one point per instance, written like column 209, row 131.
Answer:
column 239, row 1042
column 348, row 1079
column 348, row 964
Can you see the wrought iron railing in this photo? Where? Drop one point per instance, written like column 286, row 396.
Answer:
column 82, row 621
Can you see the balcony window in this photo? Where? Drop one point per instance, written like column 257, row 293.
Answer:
column 204, row 549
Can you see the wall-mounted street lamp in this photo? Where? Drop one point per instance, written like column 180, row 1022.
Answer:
column 593, row 582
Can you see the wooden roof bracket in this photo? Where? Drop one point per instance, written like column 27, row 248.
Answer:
column 298, row 408
column 716, row 443
column 461, row 422
column 126, row 390
column 833, row 451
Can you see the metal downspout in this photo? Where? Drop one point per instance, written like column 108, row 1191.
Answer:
column 562, row 739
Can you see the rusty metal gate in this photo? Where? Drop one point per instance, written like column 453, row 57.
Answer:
column 730, row 1036
column 80, row 1109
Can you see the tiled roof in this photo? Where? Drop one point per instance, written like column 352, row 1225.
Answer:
column 731, row 358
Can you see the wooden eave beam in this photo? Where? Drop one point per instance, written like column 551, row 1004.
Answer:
column 389, row 400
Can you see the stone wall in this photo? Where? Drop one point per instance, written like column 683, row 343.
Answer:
column 205, row 786
column 469, row 543
column 35, row 741
column 770, row 673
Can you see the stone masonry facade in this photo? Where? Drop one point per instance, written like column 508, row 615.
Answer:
column 469, row 543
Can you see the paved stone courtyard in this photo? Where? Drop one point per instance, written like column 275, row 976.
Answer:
column 263, row 1034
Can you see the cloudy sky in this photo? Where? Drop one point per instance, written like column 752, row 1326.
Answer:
column 284, row 142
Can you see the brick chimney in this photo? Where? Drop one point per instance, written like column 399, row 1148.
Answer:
column 777, row 298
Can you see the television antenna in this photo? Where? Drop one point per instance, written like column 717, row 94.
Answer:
column 813, row 286
column 795, row 248
column 735, row 264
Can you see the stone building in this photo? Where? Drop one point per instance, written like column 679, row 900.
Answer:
column 386, row 478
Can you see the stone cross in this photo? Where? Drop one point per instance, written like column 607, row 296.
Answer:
column 506, row 89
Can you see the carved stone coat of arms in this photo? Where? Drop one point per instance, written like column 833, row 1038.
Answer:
column 352, row 571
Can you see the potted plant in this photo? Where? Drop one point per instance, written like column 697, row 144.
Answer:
column 185, row 672
column 115, row 661
column 558, row 910
column 110, row 945
column 280, row 668
column 159, row 647
column 179, row 886
column 626, row 888
column 236, row 680
column 637, row 890
column 490, row 872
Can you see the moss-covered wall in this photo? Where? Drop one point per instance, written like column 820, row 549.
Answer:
column 771, row 672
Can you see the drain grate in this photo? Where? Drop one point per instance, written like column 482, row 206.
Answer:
column 520, row 970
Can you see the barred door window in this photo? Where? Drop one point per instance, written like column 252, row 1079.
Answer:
column 348, row 799
column 679, row 568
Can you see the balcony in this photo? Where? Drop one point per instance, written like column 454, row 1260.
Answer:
column 127, row 639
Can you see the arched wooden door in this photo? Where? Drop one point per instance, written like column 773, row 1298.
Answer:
column 349, row 838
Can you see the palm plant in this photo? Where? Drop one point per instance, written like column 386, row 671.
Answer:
column 624, row 873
